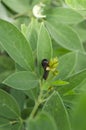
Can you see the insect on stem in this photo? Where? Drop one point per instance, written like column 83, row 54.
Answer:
column 45, row 64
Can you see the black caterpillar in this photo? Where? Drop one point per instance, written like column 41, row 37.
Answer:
column 45, row 64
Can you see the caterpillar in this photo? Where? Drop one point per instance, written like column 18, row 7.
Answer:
column 45, row 64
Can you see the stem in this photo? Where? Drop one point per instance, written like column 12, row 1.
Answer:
column 13, row 122
column 28, row 13
column 37, row 103
column 34, row 110
column 19, row 15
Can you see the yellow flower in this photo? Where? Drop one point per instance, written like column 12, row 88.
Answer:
column 53, row 64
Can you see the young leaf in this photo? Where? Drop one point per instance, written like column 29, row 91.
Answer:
column 74, row 81
column 8, row 106
column 44, row 45
column 65, row 36
column 32, row 33
column 23, row 80
column 64, row 15
column 13, row 41
column 42, row 122
column 55, row 107
column 59, row 83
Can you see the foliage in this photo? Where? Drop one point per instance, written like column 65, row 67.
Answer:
column 42, row 65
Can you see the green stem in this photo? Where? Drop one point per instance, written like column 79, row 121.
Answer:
column 37, row 103
column 34, row 110
column 28, row 13
column 13, row 122
column 19, row 15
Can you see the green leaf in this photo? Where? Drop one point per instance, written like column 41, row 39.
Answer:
column 32, row 33
column 55, row 107
column 6, row 124
column 8, row 106
column 63, row 15
column 4, row 13
column 21, row 20
column 59, row 51
column 4, row 75
column 66, row 67
column 13, row 41
column 33, row 93
column 74, row 81
column 82, row 86
column 6, row 63
column 76, row 4
column 81, row 30
column 43, row 121
column 18, row 6
column 23, row 80
column 80, row 62
column 59, row 83
column 23, row 29
column 19, row 96
column 69, row 100
column 79, row 113
column 44, row 45
column 17, row 126
column 65, row 36
column 46, row 85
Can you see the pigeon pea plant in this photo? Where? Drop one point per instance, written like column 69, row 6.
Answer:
column 43, row 65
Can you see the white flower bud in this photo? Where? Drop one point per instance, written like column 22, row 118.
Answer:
column 37, row 11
